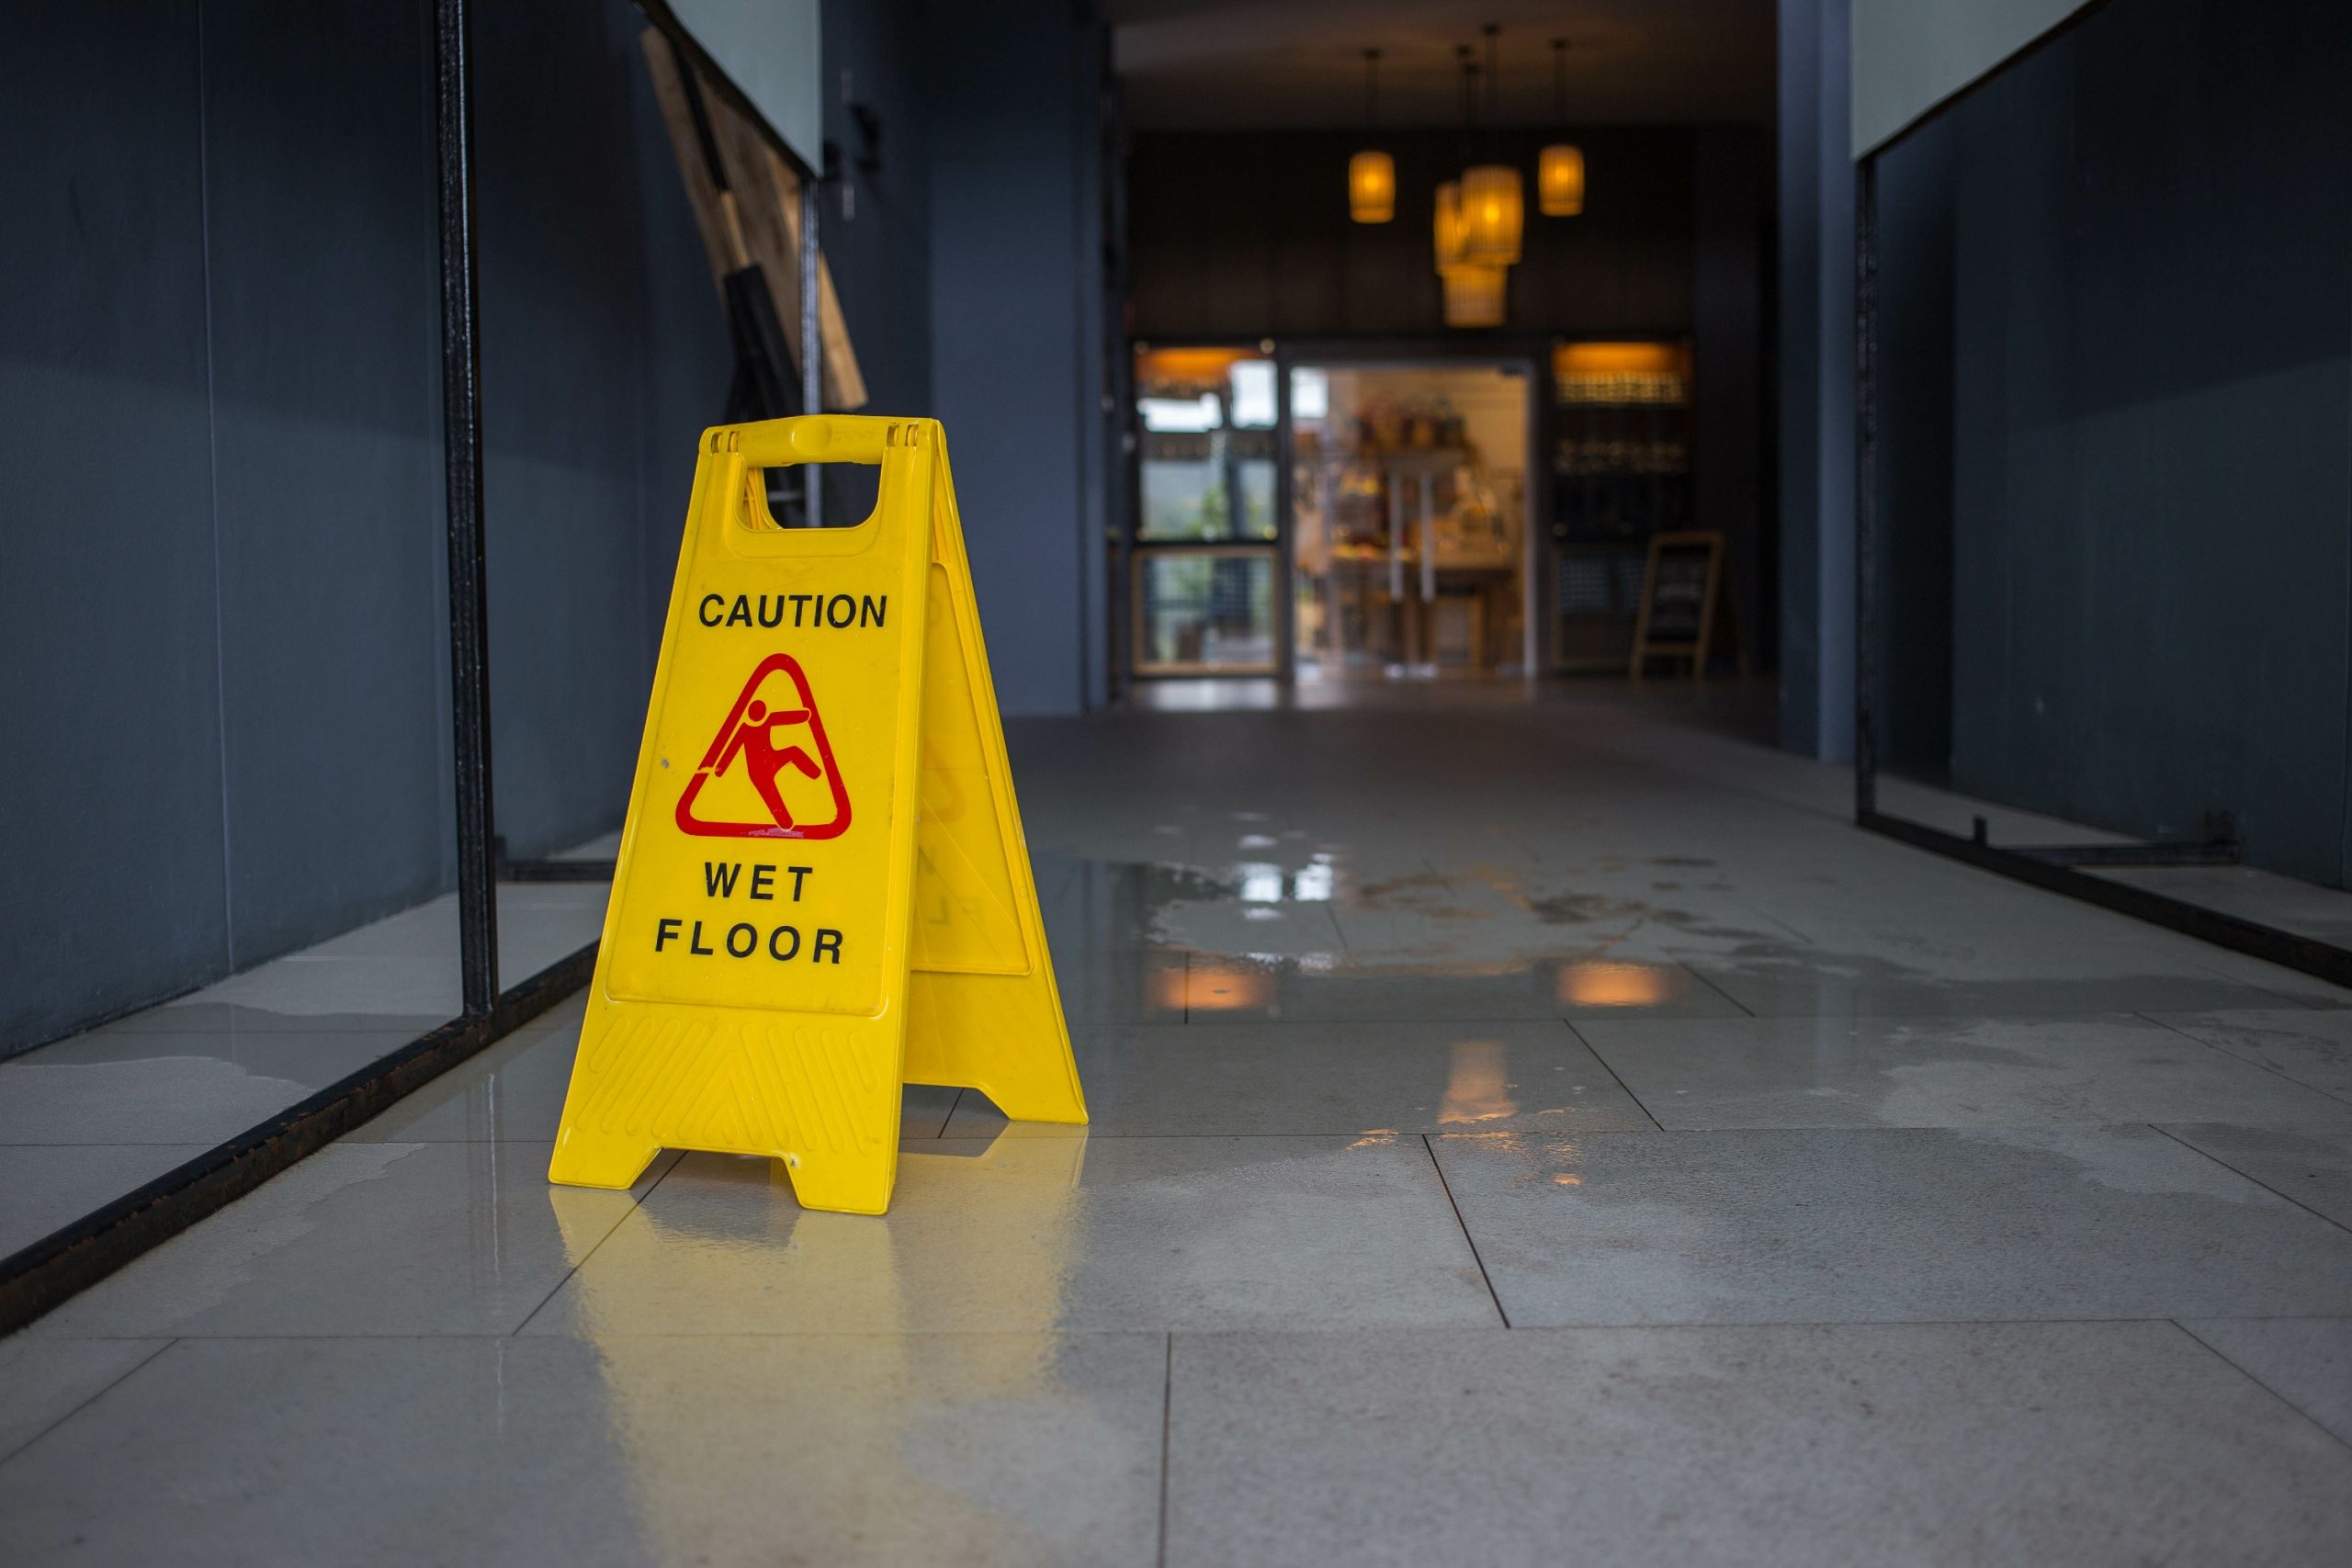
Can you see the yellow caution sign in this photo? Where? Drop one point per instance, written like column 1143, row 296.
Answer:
column 822, row 890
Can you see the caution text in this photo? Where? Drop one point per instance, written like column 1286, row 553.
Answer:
column 808, row 611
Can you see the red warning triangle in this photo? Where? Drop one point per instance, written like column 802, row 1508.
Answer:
column 773, row 741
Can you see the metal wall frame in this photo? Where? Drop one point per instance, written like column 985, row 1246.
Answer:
column 2055, row 868
column 73, row 1258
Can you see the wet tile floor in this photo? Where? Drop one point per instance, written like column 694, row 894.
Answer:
column 1523, row 1133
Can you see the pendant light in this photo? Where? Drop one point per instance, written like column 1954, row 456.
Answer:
column 1474, row 290
column 1449, row 225
column 1559, row 170
column 1473, row 295
column 1372, row 174
column 1492, row 209
column 1447, row 239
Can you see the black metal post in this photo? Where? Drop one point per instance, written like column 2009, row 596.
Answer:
column 812, row 348
column 1286, row 523
column 468, row 599
column 1866, row 693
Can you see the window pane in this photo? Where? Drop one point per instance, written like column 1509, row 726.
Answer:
column 1256, row 486
column 1253, row 393
column 1206, row 611
column 1206, row 445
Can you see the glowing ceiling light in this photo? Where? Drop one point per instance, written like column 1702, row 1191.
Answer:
column 1493, row 214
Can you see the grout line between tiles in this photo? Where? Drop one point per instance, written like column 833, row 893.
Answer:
column 1232, row 1330
column 2246, row 1372
column 1485, row 1132
column 2246, row 1175
column 1767, row 914
column 1701, row 978
column 96, row 1395
column 1167, row 1426
column 1468, row 1240
column 1577, row 1035
column 2248, row 1061
column 2288, row 1001
column 581, row 1262
column 1331, row 909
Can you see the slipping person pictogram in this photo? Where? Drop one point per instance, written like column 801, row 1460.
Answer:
column 772, row 731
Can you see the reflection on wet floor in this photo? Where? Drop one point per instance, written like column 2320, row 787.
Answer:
column 1512, row 1127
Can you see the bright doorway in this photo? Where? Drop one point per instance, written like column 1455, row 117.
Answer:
column 1409, row 520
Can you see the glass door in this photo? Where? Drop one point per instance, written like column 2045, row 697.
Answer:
column 1204, row 563
column 1408, row 520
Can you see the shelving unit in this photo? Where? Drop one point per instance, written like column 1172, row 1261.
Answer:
column 1619, row 444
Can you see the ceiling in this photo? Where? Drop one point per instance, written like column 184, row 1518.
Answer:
column 1295, row 64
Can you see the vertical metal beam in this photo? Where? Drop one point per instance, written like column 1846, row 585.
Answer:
column 461, row 441
column 1866, row 605
column 1286, row 522
column 812, row 347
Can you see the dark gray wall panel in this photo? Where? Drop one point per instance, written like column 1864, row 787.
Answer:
column 110, row 818
column 1012, row 137
column 1915, row 452
column 2151, row 396
column 875, row 225
column 563, row 333
column 327, row 384
column 1730, row 218
column 225, row 466
column 685, row 360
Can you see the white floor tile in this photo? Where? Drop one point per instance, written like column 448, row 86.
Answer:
column 1036, row 1235
column 1017, row 1451
column 1965, row 1072
column 2311, row 1165
column 1883, row 1225
column 2307, row 1361
column 364, row 1239
column 2311, row 1045
column 44, row 1380
column 45, row 1187
column 2086, row 1444
column 1257, row 1079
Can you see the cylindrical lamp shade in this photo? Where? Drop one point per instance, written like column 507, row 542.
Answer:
column 1559, row 181
column 1492, row 214
column 1371, row 188
column 1449, row 225
column 1474, row 294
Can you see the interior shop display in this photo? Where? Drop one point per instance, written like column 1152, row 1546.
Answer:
column 1407, row 514
column 1619, row 444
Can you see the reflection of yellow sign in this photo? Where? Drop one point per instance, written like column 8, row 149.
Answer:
column 822, row 888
